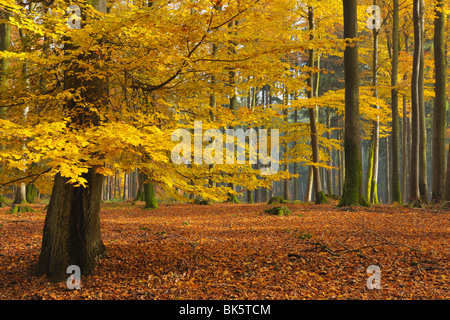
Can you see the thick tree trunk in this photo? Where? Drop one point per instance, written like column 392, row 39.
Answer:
column 21, row 194
column 439, row 113
column 352, row 193
column 71, row 233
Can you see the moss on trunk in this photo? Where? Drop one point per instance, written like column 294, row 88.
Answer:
column 321, row 198
column 150, row 196
column 232, row 198
column 31, row 193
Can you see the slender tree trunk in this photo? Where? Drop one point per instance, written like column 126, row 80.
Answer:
column 5, row 42
column 213, row 105
column 396, row 190
column 319, row 194
column 341, row 164
column 125, row 187
column 404, row 150
column 285, row 146
column 330, row 161
column 71, row 234
column 439, row 111
column 414, row 193
column 140, row 188
column 352, row 193
column 372, row 169
column 233, row 106
column 309, row 185
column 388, row 172
column 423, row 185
column 295, row 164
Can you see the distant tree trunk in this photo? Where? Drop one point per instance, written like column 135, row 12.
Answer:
column 213, row 105
column 396, row 190
column 352, row 193
column 329, row 171
column 140, row 188
column 309, row 185
column 31, row 193
column 21, row 194
column 125, row 187
column 388, row 172
column 286, row 164
column 133, row 183
column 414, row 193
column 439, row 112
column 404, row 149
column 233, row 106
column 340, row 156
column 71, row 234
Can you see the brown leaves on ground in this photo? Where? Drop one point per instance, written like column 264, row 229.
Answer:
column 236, row 251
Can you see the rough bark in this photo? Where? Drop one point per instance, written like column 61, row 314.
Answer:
column 71, row 233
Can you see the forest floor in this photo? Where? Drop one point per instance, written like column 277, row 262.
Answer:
column 237, row 251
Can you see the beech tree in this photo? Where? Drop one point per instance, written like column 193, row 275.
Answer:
column 320, row 195
column 353, row 188
column 396, row 190
column 71, row 233
column 414, row 193
column 439, row 110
